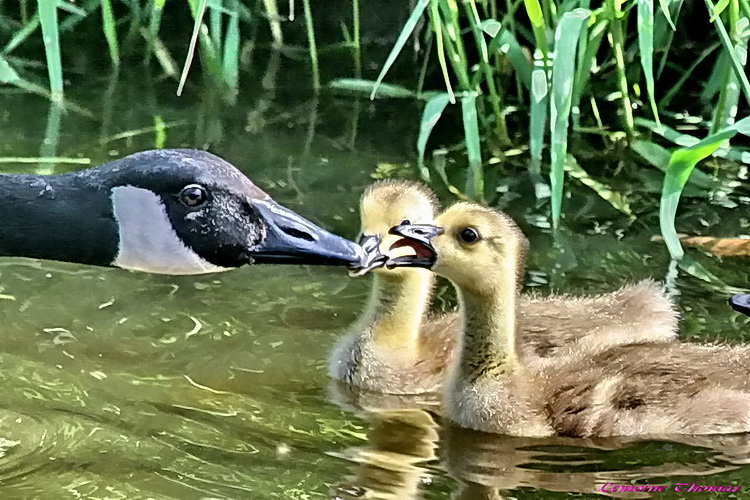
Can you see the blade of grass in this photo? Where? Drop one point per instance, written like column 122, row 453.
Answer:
column 48, row 147
column 712, row 86
column 197, row 24
column 614, row 11
column 506, row 43
column 618, row 200
column 563, row 69
column 438, row 161
column 21, row 35
column 664, row 36
column 357, row 41
column 718, row 9
column 438, row 30
column 686, row 140
column 646, row 49
column 163, row 57
column 154, row 24
column 35, row 159
column 538, row 25
column 272, row 13
column 209, row 57
column 7, row 73
column 110, row 32
column 664, row 4
column 71, row 8
column 495, row 92
column 687, row 74
column 681, row 165
column 71, row 22
column 475, row 178
column 433, row 110
column 659, row 158
column 215, row 8
column 737, row 66
column 453, row 43
column 48, row 18
column 726, row 109
column 367, row 86
column 231, row 57
column 160, row 133
column 312, row 46
column 537, row 126
column 403, row 37
column 586, row 61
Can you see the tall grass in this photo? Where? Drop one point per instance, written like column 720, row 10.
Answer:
column 600, row 52
column 516, row 73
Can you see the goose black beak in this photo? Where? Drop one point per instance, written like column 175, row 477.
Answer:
column 373, row 259
column 741, row 303
column 291, row 239
column 419, row 238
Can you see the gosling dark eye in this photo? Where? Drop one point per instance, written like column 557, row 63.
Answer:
column 469, row 235
column 193, row 196
column 405, row 222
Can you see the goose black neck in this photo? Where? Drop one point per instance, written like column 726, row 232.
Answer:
column 63, row 217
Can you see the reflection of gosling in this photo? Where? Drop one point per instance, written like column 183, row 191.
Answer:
column 388, row 467
column 638, row 389
column 394, row 349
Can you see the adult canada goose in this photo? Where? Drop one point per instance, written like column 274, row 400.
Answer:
column 395, row 348
column 165, row 212
column 637, row 389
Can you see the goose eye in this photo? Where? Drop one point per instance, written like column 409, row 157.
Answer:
column 193, row 195
column 469, row 235
column 405, row 222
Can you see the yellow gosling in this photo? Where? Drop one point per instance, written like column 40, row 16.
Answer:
column 396, row 348
column 388, row 350
column 637, row 389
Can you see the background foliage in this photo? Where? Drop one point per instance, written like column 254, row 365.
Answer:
column 663, row 79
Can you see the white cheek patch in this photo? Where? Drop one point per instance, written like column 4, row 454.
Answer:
column 148, row 242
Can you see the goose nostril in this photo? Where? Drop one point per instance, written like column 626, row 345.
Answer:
column 296, row 233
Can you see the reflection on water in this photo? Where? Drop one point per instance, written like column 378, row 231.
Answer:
column 389, row 467
column 122, row 385
column 400, row 459
column 491, row 466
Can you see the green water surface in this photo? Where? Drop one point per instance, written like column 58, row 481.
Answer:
column 125, row 385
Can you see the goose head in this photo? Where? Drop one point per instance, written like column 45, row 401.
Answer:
column 164, row 212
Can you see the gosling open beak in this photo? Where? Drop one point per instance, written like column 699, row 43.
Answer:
column 373, row 259
column 291, row 239
column 419, row 238
column 741, row 303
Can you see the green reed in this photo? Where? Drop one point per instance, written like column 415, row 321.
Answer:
column 554, row 67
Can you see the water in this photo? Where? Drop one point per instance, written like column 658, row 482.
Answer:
column 124, row 385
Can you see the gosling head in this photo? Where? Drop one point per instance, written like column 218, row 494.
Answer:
column 469, row 244
column 386, row 204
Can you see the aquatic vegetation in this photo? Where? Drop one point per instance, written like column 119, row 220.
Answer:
column 525, row 77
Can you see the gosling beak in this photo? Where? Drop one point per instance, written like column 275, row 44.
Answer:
column 741, row 303
column 419, row 238
column 291, row 239
column 373, row 259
